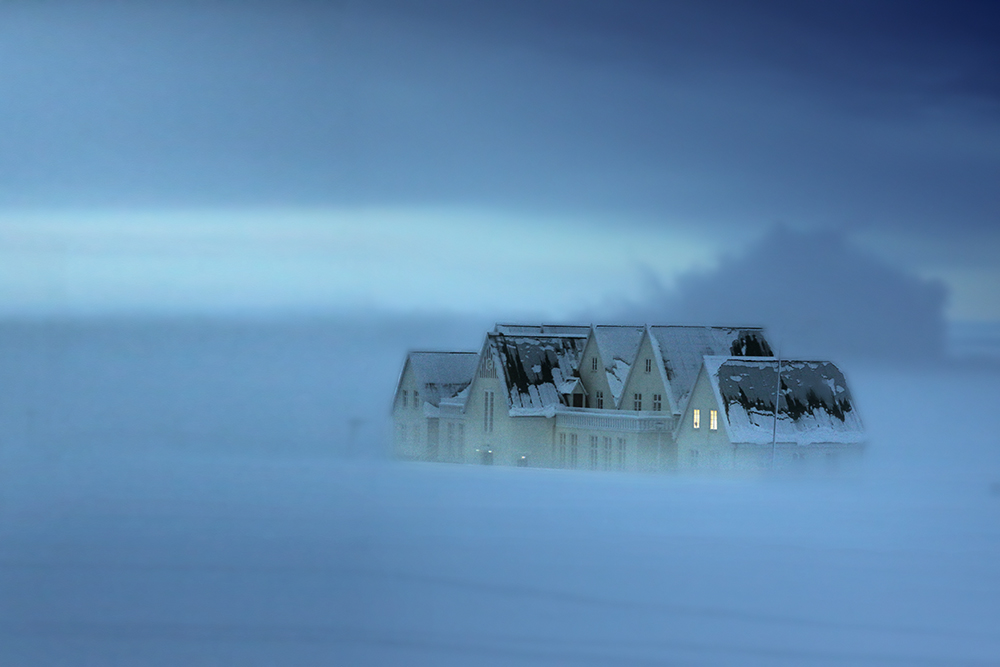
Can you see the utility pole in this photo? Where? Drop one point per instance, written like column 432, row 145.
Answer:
column 774, row 426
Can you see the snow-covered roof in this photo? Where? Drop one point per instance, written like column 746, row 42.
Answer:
column 814, row 404
column 538, row 329
column 535, row 367
column 443, row 375
column 618, row 345
column 682, row 348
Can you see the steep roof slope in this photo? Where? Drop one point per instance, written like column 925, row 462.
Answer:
column 443, row 375
column 682, row 348
column 618, row 345
column 536, row 366
column 814, row 403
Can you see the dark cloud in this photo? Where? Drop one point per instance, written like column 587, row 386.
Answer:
column 819, row 297
column 717, row 114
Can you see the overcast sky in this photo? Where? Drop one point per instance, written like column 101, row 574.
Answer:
column 531, row 157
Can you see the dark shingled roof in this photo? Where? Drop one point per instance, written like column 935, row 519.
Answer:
column 814, row 402
column 535, row 366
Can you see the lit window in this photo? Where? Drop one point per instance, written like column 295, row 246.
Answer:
column 593, row 363
column 697, row 418
column 637, row 401
column 405, row 398
column 713, row 420
column 600, row 399
column 649, row 365
column 657, row 402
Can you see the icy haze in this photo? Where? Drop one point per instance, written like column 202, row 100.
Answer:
column 210, row 492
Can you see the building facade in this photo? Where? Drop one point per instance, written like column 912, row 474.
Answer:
column 630, row 398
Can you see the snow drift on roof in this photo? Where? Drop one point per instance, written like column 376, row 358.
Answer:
column 682, row 349
column 443, row 374
column 814, row 403
column 618, row 346
column 534, row 367
column 539, row 329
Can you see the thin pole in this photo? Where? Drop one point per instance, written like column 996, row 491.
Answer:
column 774, row 426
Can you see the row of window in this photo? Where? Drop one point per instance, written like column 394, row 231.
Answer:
column 714, row 458
column 454, row 444
column 657, row 402
column 713, row 419
column 593, row 364
column 416, row 399
column 606, row 453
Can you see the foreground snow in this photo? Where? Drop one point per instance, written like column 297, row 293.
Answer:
column 119, row 549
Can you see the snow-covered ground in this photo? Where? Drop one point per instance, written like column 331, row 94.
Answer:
column 134, row 529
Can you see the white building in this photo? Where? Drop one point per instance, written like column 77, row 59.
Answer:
column 639, row 398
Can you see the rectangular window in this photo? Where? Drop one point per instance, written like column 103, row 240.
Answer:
column 593, row 453
column 713, row 420
column 621, row 453
column 693, row 457
column 488, row 411
column 600, row 400
column 450, row 441
column 593, row 363
column 637, row 401
column 697, row 418
column 572, row 450
column 405, row 395
column 416, row 399
column 461, row 441
column 607, row 453
column 433, row 439
column 649, row 365
column 562, row 449
column 657, row 402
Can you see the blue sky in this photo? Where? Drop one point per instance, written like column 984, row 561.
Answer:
column 536, row 158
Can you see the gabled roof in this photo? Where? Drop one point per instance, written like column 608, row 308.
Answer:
column 535, row 367
column 618, row 345
column 442, row 375
column 814, row 404
column 681, row 349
